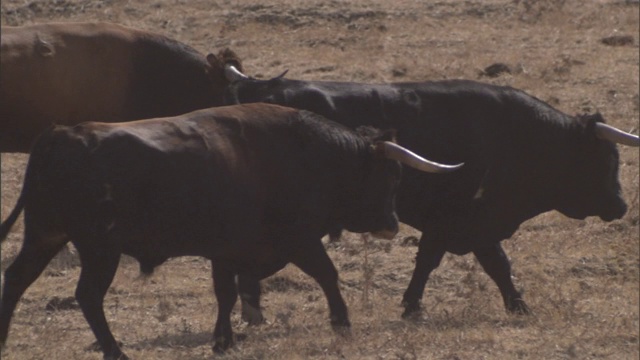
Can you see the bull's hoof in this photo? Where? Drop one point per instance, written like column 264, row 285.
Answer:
column 116, row 357
column 518, row 306
column 252, row 316
column 114, row 354
column 95, row 346
column 343, row 329
column 340, row 324
column 411, row 310
column 222, row 345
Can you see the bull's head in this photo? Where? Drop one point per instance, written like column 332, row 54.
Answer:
column 594, row 188
column 217, row 68
column 380, row 185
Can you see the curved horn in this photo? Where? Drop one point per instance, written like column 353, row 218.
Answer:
column 615, row 135
column 396, row 152
column 233, row 74
column 282, row 75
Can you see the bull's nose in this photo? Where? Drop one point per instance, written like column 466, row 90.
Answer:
column 616, row 212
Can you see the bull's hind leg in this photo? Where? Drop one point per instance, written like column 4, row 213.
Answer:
column 249, row 289
column 98, row 269
column 315, row 262
column 226, row 294
column 33, row 258
column 495, row 263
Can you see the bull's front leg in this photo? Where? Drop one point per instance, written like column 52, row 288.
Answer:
column 428, row 258
column 226, row 294
column 314, row 261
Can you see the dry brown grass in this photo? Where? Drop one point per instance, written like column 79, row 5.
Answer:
column 581, row 278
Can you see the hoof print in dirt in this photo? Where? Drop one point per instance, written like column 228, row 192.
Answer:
column 495, row 70
column 618, row 40
column 58, row 304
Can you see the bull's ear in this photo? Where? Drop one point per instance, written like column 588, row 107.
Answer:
column 228, row 57
column 377, row 149
column 212, row 63
column 378, row 138
column 375, row 134
column 213, row 60
column 387, row 135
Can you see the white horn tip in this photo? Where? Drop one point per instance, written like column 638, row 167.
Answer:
column 233, row 74
column 615, row 135
column 452, row 167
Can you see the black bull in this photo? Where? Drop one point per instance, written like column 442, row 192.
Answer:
column 522, row 158
column 250, row 187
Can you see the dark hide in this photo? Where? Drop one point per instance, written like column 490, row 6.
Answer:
column 251, row 187
column 522, row 158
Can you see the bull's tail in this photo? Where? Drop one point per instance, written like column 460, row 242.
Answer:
column 8, row 223
column 38, row 155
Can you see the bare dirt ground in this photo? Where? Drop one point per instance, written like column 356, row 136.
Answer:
column 581, row 278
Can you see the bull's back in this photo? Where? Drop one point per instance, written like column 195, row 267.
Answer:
column 184, row 182
column 257, row 149
column 132, row 179
column 183, row 185
column 76, row 72
column 69, row 73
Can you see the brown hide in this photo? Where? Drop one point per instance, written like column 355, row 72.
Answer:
column 67, row 73
column 250, row 187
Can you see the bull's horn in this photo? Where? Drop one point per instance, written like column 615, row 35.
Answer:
column 610, row 133
column 282, row 75
column 233, row 74
column 396, row 152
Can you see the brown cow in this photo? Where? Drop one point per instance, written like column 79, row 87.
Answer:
column 67, row 73
column 250, row 187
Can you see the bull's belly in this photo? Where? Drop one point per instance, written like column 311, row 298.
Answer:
column 257, row 257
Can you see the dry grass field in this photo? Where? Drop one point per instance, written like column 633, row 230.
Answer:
column 581, row 278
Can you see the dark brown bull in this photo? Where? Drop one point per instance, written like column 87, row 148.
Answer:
column 67, row 73
column 250, row 187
